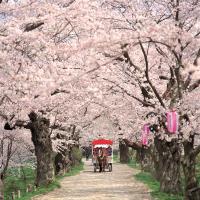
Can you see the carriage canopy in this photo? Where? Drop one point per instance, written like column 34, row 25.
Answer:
column 102, row 142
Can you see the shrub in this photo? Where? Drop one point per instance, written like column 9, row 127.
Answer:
column 76, row 155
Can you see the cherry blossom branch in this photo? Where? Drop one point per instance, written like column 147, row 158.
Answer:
column 128, row 59
column 57, row 91
column 147, row 76
column 197, row 57
column 129, row 94
column 60, row 30
column 169, row 48
column 163, row 18
column 132, row 144
column 32, row 26
column 126, row 55
column 68, row 3
column 18, row 123
column 187, row 82
column 6, row 97
column 3, row 116
column 194, row 85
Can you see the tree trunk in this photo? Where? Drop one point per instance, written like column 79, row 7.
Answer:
column 192, row 191
column 59, row 165
column 43, row 149
column 124, row 152
column 146, row 159
column 62, row 162
column 169, row 165
column 138, row 155
column 143, row 154
column 157, row 166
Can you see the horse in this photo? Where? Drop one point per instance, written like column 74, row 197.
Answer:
column 102, row 161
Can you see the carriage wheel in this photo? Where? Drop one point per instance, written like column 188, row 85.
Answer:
column 110, row 167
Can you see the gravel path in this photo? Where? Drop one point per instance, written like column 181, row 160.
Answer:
column 117, row 185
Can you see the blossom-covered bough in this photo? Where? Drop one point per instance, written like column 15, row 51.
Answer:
column 160, row 64
column 46, row 60
column 37, row 81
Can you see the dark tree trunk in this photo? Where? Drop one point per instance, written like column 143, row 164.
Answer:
column 138, row 155
column 62, row 163
column 146, row 159
column 192, row 191
column 169, row 165
column 124, row 152
column 143, row 155
column 43, row 149
column 59, row 165
column 156, row 172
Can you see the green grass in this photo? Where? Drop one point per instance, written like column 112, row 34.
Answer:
column 74, row 171
column 154, row 186
column 41, row 190
column 14, row 183
column 115, row 158
column 133, row 164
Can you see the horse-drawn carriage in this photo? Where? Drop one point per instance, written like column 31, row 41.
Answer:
column 102, row 155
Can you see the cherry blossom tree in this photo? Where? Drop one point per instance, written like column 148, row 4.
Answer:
column 158, row 61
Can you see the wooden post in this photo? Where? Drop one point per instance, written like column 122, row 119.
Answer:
column 18, row 194
column 30, row 188
column 64, row 171
column 27, row 189
column 13, row 195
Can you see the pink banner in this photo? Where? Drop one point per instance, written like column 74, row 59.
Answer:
column 172, row 121
column 145, row 134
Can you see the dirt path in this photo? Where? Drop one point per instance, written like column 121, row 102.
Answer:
column 117, row 185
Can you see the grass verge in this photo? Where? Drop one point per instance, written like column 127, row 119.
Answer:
column 133, row 164
column 115, row 158
column 152, row 184
column 14, row 183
